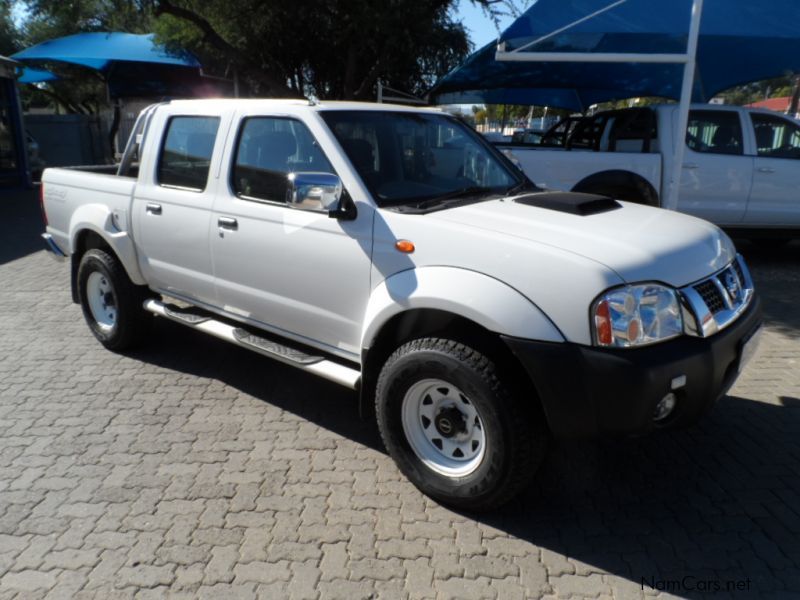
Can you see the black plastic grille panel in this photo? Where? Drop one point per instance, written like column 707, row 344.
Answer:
column 711, row 296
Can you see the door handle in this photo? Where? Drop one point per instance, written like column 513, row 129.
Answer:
column 766, row 170
column 228, row 223
column 153, row 208
column 690, row 165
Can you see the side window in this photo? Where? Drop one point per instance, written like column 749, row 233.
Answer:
column 714, row 132
column 776, row 137
column 268, row 149
column 186, row 152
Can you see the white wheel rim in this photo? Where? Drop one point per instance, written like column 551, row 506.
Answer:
column 443, row 428
column 102, row 301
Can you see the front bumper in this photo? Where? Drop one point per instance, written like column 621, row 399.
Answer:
column 588, row 391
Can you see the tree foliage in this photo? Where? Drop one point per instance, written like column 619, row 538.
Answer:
column 9, row 36
column 328, row 48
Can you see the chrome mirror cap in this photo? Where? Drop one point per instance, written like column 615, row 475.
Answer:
column 314, row 191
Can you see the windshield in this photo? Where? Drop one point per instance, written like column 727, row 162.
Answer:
column 412, row 157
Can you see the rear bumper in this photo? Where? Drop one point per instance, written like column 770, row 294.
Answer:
column 588, row 392
column 56, row 252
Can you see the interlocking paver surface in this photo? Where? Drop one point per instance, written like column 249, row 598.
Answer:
column 192, row 469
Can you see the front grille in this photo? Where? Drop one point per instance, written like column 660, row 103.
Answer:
column 719, row 300
column 711, row 295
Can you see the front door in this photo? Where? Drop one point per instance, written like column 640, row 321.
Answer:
column 297, row 272
column 775, row 197
column 716, row 175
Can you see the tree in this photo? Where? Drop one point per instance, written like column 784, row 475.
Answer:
column 9, row 36
column 332, row 49
column 328, row 48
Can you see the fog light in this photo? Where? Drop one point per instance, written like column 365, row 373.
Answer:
column 665, row 407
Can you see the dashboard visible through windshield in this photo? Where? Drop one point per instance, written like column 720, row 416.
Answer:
column 405, row 157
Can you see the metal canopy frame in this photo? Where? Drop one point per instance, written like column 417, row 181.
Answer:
column 688, row 60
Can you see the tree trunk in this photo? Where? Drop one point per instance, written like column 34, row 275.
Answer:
column 273, row 84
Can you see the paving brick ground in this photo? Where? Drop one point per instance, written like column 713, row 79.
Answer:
column 191, row 469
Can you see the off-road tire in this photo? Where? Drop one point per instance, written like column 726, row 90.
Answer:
column 516, row 435
column 132, row 323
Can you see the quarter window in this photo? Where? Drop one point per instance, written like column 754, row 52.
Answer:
column 776, row 137
column 186, row 153
column 714, row 132
column 269, row 148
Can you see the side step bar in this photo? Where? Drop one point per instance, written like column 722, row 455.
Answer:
column 318, row 365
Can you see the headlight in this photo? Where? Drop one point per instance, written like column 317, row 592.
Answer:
column 636, row 315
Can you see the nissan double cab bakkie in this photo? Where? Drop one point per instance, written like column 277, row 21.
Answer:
column 392, row 250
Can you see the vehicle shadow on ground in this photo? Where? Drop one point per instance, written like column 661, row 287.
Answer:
column 322, row 402
column 719, row 502
column 21, row 224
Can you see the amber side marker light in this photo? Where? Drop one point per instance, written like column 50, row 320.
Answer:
column 404, row 246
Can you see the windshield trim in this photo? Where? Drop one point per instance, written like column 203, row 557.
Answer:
column 515, row 174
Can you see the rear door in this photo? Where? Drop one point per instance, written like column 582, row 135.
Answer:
column 716, row 175
column 172, row 206
column 775, row 197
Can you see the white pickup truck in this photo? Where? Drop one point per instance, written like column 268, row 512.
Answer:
column 392, row 250
column 741, row 167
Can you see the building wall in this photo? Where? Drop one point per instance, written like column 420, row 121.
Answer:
column 70, row 140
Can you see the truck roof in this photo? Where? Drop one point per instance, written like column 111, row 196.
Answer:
column 226, row 103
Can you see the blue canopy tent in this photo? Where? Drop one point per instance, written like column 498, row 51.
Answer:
column 575, row 53
column 740, row 41
column 30, row 75
column 131, row 65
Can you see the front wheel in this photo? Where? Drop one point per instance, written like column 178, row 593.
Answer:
column 111, row 303
column 454, row 428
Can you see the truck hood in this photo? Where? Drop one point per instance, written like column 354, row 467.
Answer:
column 639, row 243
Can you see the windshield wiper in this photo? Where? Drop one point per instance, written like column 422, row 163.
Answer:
column 467, row 192
column 522, row 186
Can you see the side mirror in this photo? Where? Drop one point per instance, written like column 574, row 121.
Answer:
column 319, row 192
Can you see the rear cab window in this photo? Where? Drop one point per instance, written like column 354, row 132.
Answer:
column 185, row 157
column 633, row 130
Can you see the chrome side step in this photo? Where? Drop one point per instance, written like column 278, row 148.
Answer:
column 245, row 338
column 318, row 365
column 185, row 315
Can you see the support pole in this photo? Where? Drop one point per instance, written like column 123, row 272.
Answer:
column 670, row 199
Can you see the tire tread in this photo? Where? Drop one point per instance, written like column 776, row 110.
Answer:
column 526, row 435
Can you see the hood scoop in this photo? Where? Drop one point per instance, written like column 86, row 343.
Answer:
column 573, row 203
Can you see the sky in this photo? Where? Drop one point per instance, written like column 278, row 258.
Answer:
column 480, row 27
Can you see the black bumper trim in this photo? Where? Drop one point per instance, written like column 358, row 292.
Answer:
column 587, row 391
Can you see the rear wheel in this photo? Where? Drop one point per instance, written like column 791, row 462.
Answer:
column 111, row 303
column 454, row 428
